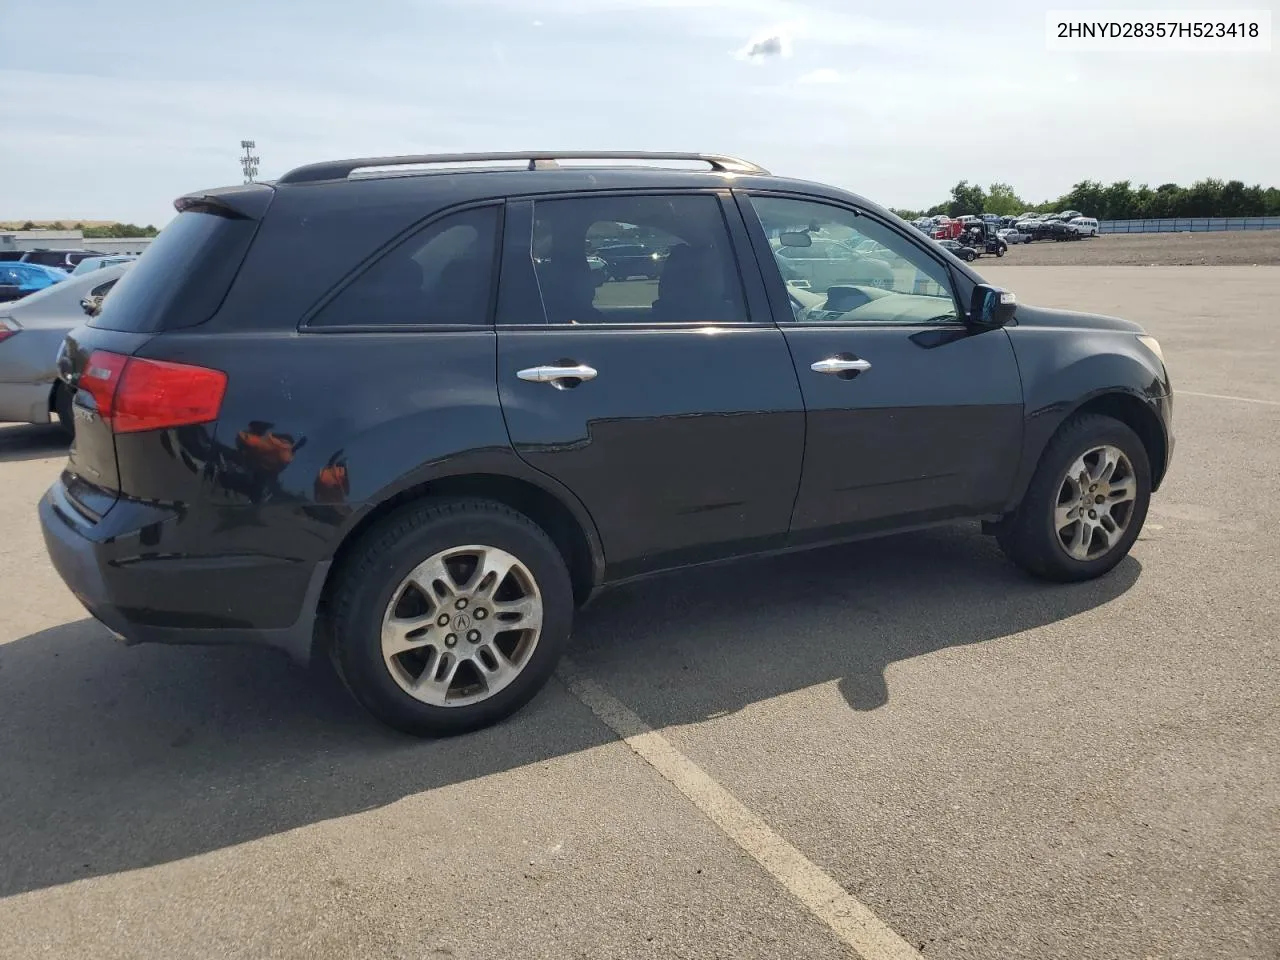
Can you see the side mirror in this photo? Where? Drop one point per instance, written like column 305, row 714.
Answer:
column 991, row 306
column 795, row 239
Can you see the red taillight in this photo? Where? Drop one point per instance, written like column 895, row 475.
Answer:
column 8, row 327
column 135, row 394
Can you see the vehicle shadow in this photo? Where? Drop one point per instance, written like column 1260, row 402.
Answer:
column 31, row 441
column 120, row 758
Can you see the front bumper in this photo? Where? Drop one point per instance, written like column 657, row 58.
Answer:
column 148, row 597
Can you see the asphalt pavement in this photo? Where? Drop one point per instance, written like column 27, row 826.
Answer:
column 985, row 765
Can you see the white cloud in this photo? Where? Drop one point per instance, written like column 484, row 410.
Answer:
column 768, row 45
column 823, row 75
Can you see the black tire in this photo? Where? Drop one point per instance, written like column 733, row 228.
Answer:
column 62, row 407
column 385, row 556
column 1028, row 537
column 1000, row 251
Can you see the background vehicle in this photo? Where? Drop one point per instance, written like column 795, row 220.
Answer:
column 1084, row 226
column 31, row 332
column 97, row 262
column 61, row 259
column 1061, row 230
column 420, row 463
column 982, row 236
column 19, row 279
column 959, row 249
column 1013, row 235
column 947, row 229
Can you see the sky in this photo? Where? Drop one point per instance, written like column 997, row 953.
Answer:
column 111, row 110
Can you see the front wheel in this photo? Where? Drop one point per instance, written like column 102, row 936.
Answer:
column 1086, row 503
column 999, row 251
column 450, row 616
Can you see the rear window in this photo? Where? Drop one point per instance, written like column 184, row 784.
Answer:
column 182, row 278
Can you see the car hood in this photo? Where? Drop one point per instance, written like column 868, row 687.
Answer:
column 1028, row 316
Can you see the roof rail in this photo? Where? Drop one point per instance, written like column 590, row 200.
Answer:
column 341, row 169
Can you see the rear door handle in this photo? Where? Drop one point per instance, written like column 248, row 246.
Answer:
column 556, row 373
column 840, row 365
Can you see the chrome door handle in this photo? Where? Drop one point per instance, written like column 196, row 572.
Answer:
column 837, row 365
column 554, row 374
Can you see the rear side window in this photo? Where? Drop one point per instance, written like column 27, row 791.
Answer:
column 443, row 274
column 636, row 259
column 182, row 278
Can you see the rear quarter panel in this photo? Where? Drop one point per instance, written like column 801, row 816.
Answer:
column 317, row 429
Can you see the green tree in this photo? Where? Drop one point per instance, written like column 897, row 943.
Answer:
column 1204, row 199
column 28, row 225
column 1085, row 196
column 1233, row 202
column 966, row 198
column 1003, row 200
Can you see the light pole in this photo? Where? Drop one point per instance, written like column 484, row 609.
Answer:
column 249, row 162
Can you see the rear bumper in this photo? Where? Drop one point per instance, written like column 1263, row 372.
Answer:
column 145, row 596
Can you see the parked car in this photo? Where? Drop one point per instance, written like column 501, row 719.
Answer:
column 97, row 262
column 1084, row 226
column 31, row 332
column 1013, row 235
column 61, row 259
column 19, row 279
column 1061, row 230
column 959, row 249
column 1039, row 229
column 420, row 464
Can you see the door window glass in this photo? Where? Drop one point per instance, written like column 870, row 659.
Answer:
column 442, row 274
column 636, row 260
column 839, row 266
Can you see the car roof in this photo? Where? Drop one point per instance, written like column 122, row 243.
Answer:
column 445, row 183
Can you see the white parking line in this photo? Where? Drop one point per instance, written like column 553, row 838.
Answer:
column 1222, row 396
column 865, row 933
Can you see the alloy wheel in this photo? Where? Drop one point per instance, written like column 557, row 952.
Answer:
column 1095, row 503
column 462, row 625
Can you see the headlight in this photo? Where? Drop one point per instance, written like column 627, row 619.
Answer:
column 1152, row 344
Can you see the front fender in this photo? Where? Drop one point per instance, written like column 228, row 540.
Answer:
column 1064, row 369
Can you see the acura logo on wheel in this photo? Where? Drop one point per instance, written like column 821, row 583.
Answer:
column 461, row 622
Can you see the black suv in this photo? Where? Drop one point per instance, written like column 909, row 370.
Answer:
column 380, row 409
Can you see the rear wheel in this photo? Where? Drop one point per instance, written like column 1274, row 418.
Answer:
column 62, row 407
column 450, row 616
column 1086, row 503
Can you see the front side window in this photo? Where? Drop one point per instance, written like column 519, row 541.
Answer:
column 840, row 266
column 443, row 274
column 647, row 259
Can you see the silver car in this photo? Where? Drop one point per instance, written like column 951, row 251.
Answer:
column 90, row 264
column 31, row 331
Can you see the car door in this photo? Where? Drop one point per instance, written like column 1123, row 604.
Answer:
column 669, row 406
column 911, row 416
